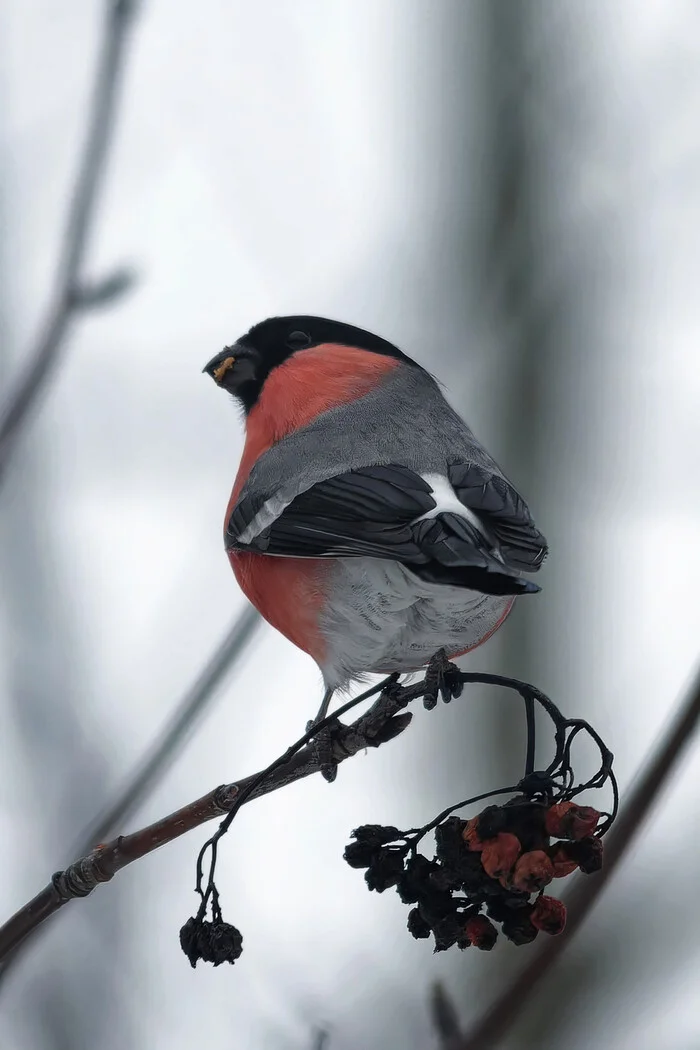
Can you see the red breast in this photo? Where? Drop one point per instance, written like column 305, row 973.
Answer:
column 490, row 634
column 290, row 592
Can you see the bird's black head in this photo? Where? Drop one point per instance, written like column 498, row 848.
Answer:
column 243, row 367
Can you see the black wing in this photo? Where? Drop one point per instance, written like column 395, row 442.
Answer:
column 375, row 511
column 504, row 513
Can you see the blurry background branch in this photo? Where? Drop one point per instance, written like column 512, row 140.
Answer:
column 321, row 1039
column 192, row 706
column 72, row 294
column 59, row 757
column 445, row 1018
column 154, row 765
column 504, row 1012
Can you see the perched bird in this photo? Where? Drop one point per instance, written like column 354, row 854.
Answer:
column 366, row 522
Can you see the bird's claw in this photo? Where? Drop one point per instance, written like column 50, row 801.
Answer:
column 322, row 748
column 442, row 681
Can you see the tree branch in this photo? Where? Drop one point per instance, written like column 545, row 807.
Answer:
column 378, row 725
column 152, row 767
column 444, row 1017
column 70, row 294
column 191, row 707
column 322, row 1038
column 500, row 1017
column 327, row 741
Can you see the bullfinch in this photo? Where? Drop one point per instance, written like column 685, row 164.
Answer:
column 366, row 522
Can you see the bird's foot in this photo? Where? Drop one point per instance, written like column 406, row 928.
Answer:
column 322, row 747
column 442, row 681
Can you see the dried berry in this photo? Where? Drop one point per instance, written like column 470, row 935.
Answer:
column 506, row 906
column 518, row 928
column 471, row 836
column 562, row 861
column 491, row 821
column 526, row 820
column 369, row 839
column 414, row 881
column 359, row 854
column 215, row 942
column 480, row 932
column 449, row 845
column 487, row 870
column 377, row 834
column 385, row 870
column 588, row 853
column 567, row 820
column 437, row 908
column 548, row 915
column 500, row 854
column 417, row 926
column 533, row 871
column 189, row 938
column 475, row 881
column 443, row 879
column 447, row 931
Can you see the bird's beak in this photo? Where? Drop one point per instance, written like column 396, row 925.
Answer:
column 222, row 363
column 233, row 367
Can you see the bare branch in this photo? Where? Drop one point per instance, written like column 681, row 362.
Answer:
column 376, row 726
column 322, row 1039
column 445, row 1018
column 500, row 1017
column 154, row 765
column 384, row 720
column 192, row 706
column 105, row 290
column 70, row 296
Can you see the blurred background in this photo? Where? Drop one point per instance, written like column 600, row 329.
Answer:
column 510, row 192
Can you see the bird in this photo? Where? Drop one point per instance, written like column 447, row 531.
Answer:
column 366, row 522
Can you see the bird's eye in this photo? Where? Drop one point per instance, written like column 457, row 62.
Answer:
column 298, row 340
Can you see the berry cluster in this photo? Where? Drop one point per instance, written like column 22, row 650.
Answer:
column 215, row 942
column 485, row 870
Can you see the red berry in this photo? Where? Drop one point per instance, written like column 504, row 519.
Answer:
column 533, row 871
column 480, row 932
column 567, row 820
column 471, row 836
column 500, row 854
column 562, row 861
column 589, row 854
column 548, row 915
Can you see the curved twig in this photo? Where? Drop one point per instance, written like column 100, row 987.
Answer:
column 500, row 1017
column 144, row 776
column 375, row 727
column 71, row 295
column 382, row 722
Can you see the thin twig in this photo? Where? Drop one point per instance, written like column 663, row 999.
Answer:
column 70, row 294
column 192, row 706
column 444, row 1016
column 500, row 1017
column 382, row 722
column 375, row 727
column 322, row 1039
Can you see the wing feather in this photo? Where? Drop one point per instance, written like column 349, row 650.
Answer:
column 391, row 512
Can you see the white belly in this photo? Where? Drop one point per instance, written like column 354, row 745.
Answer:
column 381, row 618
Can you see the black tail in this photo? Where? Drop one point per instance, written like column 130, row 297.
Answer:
column 473, row 579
